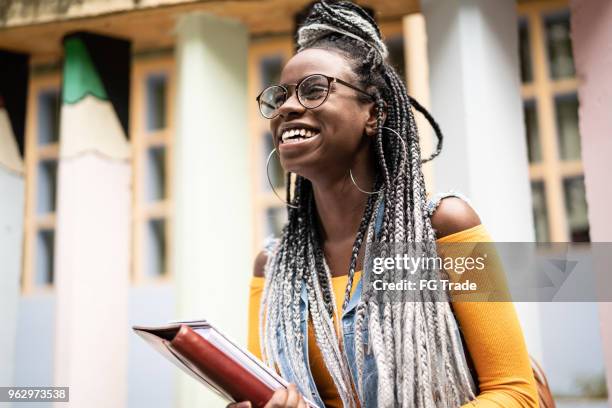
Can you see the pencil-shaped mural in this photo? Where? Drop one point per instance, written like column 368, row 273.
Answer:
column 93, row 220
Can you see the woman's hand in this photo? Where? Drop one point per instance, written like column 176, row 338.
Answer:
column 282, row 398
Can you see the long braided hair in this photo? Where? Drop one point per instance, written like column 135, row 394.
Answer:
column 417, row 350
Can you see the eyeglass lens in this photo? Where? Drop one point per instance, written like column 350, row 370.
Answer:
column 311, row 93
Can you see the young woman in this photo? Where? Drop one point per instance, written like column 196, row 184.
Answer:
column 342, row 124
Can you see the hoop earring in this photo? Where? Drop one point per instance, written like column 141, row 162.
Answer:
column 405, row 150
column 270, row 181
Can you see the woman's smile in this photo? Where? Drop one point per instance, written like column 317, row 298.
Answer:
column 297, row 135
column 295, row 132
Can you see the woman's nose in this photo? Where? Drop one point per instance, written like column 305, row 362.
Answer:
column 291, row 107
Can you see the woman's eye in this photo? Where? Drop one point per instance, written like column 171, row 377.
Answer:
column 314, row 92
column 279, row 100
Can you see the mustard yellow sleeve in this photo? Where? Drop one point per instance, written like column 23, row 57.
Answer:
column 255, row 292
column 495, row 341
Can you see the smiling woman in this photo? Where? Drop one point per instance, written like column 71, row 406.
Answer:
column 342, row 123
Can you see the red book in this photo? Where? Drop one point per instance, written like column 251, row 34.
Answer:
column 211, row 358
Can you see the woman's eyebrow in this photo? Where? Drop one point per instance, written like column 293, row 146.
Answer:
column 294, row 82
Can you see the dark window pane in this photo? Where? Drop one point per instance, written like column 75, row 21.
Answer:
column 155, row 174
column 48, row 117
column 534, row 150
column 275, row 170
column 576, row 207
column 46, row 184
column 270, row 70
column 275, row 220
column 525, row 51
column 559, row 45
column 155, row 248
column 395, row 45
column 540, row 212
column 567, row 126
column 156, row 88
column 45, row 241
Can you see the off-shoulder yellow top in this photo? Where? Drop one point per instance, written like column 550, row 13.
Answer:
column 491, row 331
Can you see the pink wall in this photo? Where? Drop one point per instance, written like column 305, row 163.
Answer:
column 592, row 42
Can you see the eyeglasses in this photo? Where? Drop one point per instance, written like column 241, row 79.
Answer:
column 312, row 92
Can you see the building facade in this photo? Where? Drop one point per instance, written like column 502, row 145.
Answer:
column 133, row 169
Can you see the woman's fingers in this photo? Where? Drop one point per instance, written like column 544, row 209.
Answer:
column 293, row 396
column 282, row 398
column 278, row 399
column 241, row 404
column 287, row 398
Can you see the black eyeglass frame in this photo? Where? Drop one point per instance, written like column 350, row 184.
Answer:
column 330, row 80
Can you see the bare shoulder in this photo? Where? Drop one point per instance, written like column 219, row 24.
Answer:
column 260, row 264
column 453, row 215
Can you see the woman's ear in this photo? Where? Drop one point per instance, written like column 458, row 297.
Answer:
column 371, row 125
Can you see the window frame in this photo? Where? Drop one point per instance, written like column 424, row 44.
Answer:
column 142, row 140
column 543, row 91
column 34, row 155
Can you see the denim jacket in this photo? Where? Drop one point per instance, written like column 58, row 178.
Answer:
column 370, row 376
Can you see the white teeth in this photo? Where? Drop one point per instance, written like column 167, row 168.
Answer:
column 288, row 135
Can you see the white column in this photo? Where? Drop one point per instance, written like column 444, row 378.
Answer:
column 12, row 202
column 212, row 237
column 475, row 95
column 591, row 33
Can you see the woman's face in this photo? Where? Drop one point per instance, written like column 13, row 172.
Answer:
column 336, row 127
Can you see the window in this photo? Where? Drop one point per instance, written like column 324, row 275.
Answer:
column 152, row 135
column 156, row 89
column 41, row 159
column 531, row 129
column 566, row 109
column 540, row 216
column 525, row 49
column 559, row 44
column 575, row 205
column 551, row 121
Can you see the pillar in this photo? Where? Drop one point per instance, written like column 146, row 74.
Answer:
column 591, row 24
column 417, row 80
column 475, row 96
column 13, row 91
column 212, row 236
column 93, row 222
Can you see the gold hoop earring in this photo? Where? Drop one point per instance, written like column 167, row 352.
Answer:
column 270, row 181
column 405, row 150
